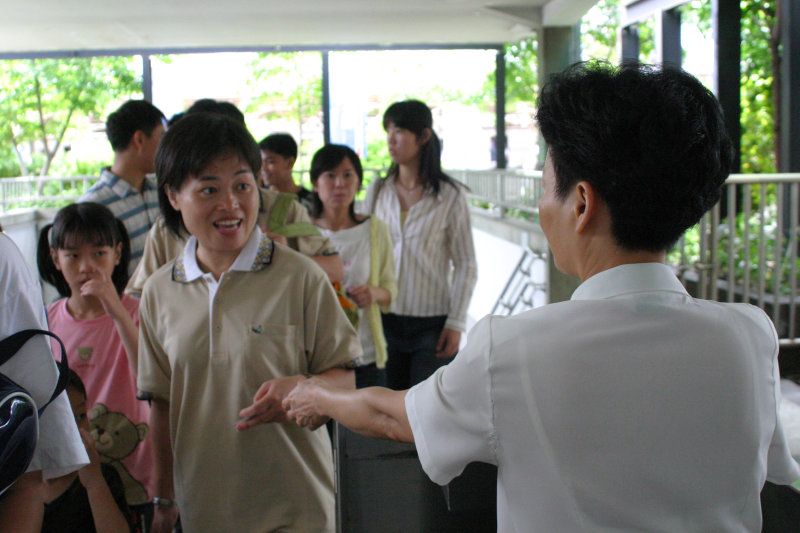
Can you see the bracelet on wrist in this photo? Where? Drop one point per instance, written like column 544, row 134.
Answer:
column 163, row 502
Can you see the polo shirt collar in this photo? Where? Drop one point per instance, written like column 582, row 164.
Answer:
column 121, row 187
column 627, row 279
column 255, row 256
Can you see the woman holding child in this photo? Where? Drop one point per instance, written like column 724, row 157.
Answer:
column 227, row 330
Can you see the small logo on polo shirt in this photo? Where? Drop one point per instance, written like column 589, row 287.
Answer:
column 85, row 352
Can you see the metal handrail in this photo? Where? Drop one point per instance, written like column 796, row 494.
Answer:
column 750, row 257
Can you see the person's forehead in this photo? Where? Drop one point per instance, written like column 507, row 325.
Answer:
column 271, row 155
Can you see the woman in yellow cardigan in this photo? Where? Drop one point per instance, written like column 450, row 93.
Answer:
column 365, row 247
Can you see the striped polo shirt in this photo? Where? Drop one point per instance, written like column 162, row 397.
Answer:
column 138, row 211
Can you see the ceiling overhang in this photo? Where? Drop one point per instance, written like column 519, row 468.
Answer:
column 83, row 26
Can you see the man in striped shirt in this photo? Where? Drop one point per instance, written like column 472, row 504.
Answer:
column 133, row 131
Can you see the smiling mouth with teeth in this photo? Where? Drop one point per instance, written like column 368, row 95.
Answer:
column 227, row 223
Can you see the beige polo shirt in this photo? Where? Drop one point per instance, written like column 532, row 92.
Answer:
column 208, row 359
column 162, row 245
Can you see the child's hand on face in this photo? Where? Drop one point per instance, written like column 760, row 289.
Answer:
column 91, row 473
column 101, row 287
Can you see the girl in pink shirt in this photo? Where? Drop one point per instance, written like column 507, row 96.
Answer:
column 84, row 253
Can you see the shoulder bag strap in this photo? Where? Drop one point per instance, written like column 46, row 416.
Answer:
column 13, row 343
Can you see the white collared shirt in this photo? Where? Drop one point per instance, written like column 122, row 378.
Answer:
column 632, row 407
column 243, row 263
column 59, row 449
column 433, row 252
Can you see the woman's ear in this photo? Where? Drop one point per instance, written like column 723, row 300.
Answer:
column 585, row 206
column 425, row 137
column 117, row 253
column 172, row 196
column 54, row 258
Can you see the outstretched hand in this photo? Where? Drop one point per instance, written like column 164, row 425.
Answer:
column 301, row 403
column 267, row 403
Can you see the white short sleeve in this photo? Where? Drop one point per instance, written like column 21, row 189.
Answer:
column 450, row 413
column 60, row 449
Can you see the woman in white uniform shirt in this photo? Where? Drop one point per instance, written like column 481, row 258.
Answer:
column 633, row 406
column 428, row 218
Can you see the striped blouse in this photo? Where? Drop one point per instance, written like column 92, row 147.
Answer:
column 433, row 252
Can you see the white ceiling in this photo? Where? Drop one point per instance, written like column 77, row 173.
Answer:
column 31, row 26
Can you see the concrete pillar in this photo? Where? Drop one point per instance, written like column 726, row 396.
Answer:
column 559, row 47
column 790, row 86
column 726, row 21
column 500, row 108
column 326, row 98
column 630, row 44
column 668, row 37
column 147, row 78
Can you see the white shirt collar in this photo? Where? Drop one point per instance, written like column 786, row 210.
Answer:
column 244, row 261
column 627, row 279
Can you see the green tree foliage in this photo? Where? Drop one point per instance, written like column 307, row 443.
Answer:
column 41, row 97
column 759, row 57
column 291, row 88
column 521, row 60
column 600, row 29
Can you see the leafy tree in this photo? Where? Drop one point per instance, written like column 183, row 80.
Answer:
column 42, row 96
column 521, row 80
column 760, row 75
column 600, row 30
column 291, row 85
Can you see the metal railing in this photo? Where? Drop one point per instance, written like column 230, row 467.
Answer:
column 504, row 191
column 38, row 191
column 41, row 191
column 751, row 256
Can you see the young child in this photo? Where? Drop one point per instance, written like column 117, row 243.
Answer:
column 84, row 253
column 93, row 498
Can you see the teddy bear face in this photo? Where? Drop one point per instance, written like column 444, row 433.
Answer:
column 115, row 435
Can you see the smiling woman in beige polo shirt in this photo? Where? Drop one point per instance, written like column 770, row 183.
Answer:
column 227, row 330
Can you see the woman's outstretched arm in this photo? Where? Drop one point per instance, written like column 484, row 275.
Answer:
column 373, row 411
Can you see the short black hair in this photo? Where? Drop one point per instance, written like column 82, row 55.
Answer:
column 132, row 116
column 327, row 158
column 650, row 140
column 282, row 144
column 75, row 224
column 207, row 105
column 190, row 145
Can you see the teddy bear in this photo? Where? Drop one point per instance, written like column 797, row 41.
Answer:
column 116, row 437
